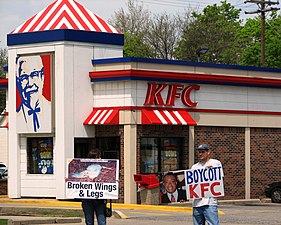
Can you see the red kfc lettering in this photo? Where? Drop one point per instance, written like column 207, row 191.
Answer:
column 173, row 94
column 153, row 95
column 185, row 96
column 204, row 188
column 213, row 189
column 192, row 192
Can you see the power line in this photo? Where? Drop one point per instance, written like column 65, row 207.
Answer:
column 168, row 3
column 264, row 6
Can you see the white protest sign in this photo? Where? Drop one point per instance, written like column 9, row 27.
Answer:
column 92, row 178
column 204, row 182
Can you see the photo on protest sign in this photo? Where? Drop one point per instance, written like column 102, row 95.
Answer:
column 92, row 178
column 204, row 182
column 172, row 187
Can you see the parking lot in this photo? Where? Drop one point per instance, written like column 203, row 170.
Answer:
column 233, row 214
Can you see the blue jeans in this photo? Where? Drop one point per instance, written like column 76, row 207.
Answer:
column 91, row 206
column 208, row 213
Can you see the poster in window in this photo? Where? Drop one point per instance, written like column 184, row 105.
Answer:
column 92, row 178
column 40, row 152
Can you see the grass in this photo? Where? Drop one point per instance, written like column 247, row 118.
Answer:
column 3, row 222
column 47, row 212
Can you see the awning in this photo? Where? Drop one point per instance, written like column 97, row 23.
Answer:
column 4, row 120
column 164, row 116
column 103, row 116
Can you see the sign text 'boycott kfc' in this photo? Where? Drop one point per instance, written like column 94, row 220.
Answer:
column 205, row 182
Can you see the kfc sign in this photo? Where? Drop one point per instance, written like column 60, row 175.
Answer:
column 154, row 95
column 204, row 183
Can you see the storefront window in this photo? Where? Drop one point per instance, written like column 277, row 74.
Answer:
column 160, row 154
column 110, row 147
column 82, row 146
column 40, row 155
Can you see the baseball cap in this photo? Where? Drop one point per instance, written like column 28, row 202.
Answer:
column 203, row 147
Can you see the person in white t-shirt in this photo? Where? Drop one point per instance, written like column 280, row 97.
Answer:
column 205, row 209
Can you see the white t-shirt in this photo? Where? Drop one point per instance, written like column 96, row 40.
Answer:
column 206, row 201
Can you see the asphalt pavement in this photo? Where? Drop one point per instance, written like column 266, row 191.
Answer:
column 23, row 212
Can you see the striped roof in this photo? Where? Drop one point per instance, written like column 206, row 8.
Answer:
column 65, row 14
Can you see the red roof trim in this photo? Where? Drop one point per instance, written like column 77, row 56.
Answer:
column 183, row 76
column 3, row 81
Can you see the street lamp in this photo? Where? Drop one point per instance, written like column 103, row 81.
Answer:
column 201, row 50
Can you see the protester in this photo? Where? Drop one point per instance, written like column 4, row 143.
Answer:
column 91, row 206
column 205, row 209
column 172, row 193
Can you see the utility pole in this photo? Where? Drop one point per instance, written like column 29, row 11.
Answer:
column 264, row 6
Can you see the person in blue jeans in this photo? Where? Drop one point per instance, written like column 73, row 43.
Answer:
column 205, row 209
column 92, row 206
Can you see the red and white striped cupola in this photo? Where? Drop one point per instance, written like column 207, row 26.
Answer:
column 65, row 20
column 65, row 14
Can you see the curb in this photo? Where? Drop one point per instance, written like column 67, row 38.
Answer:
column 44, row 221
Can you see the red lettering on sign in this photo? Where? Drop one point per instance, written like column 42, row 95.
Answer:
column 153, row 95
column 204, row 188
column 192, row 192
column 185, row 96
column 173, row 94
column 213, row 189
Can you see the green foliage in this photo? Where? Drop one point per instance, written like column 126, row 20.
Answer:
column 3, row 222
column 146, row 36
column 136, row 47
column 216, row 28
column 163, row 34
column 251, row 34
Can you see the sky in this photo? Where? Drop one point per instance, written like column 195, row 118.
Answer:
column 15, row 12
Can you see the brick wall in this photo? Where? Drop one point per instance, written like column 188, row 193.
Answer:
column 228, row 146
column 265, row 159
column 3, row 186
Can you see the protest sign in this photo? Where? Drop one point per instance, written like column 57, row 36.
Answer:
column 172, row 187
column 92, row 178
column 204, row 182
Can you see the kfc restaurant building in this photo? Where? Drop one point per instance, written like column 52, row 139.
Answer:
column 70, row 90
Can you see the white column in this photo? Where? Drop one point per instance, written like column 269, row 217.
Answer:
column 130, row 158
column 13, row 140
column 247, row 163
column 64, row 141
column 191, row 146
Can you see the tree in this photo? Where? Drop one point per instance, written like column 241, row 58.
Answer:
column 134, row 24
column 163, row 35
column 3, row 62
column 146, row 35
column 136, row 47
column 250, row 34
column 217, row 28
